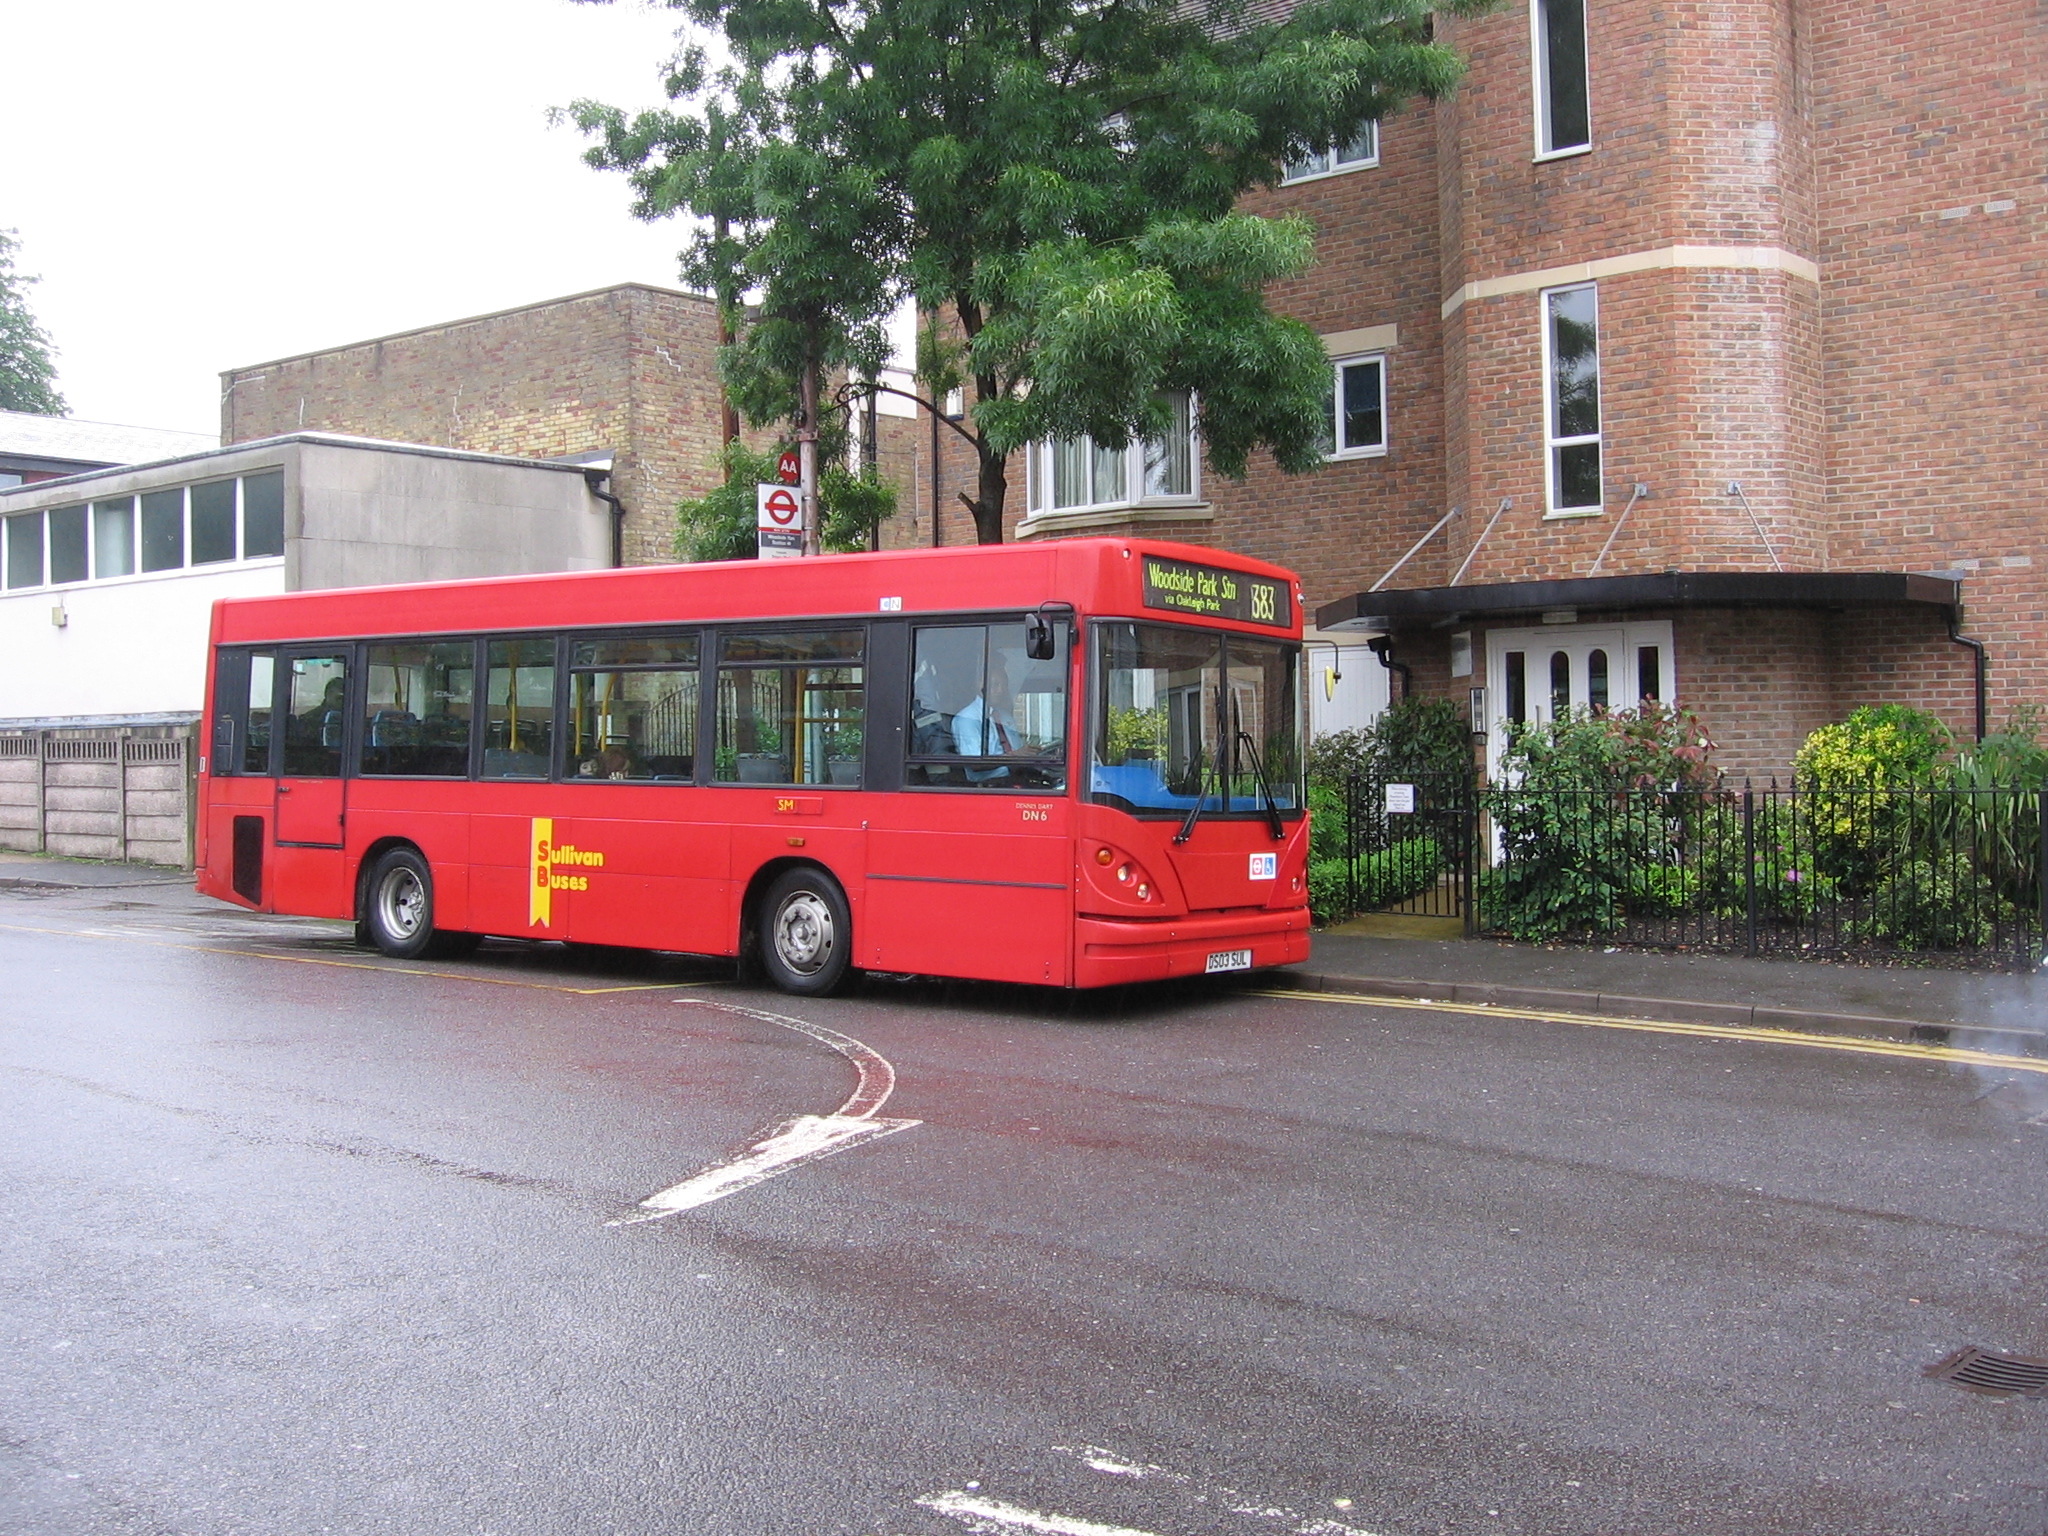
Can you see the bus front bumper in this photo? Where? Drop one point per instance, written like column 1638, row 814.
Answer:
column 1108, row 952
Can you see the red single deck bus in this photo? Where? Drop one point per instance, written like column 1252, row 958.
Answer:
column 1074, row 764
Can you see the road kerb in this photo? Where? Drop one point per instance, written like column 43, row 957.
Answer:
column 1673, row 1010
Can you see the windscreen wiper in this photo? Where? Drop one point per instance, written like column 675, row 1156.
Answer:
column 1265, row 793
column 1187, row 828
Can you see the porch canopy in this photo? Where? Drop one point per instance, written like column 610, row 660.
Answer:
column 1399, row 608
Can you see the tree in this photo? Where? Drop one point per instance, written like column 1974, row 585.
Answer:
column 719, row 525
column 1058, row 176
column 28, row 373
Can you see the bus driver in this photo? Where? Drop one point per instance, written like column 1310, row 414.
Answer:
column 987, row 727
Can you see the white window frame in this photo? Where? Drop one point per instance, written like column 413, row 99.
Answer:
column 1539, row 84
column 1338, row 448
column 1038, row 475
column 1325, row 162
column 94, row 576
column 1551, row 442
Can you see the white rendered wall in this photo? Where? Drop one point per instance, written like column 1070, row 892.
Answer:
column 370, row 518
column 131, row 646
column 1347, row 686
column 355, row 514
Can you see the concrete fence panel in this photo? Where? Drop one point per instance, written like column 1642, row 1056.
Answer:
column 113, row 793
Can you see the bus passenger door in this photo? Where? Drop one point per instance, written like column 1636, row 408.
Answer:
column 311, row 868
column 970, row 866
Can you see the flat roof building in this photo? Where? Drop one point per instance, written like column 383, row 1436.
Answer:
column 34, row 447
column 107, row 578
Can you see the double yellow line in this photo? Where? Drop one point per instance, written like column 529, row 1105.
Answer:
column 1860, row 1047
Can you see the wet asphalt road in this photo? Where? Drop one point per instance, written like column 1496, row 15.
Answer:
column 298, row 1240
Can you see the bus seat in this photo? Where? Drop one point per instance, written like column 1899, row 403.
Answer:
column 931, row 734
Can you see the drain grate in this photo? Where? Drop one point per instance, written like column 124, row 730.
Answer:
column 1983, row 1370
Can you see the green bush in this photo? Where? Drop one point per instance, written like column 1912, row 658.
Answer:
column 1994, row 813
column 1393, row 874
column 1853, row 775
column 1928, row 905
column 1326, row 828
column 1561, row 871
column 1790, row 885
column 1421, row 739
column 1652, row 747
column 1663, row 890
column 1413, row 739
column 1879, row 746
column 1329, row 892
column 1586, row 805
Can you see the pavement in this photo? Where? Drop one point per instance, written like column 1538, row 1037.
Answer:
column 1968, row 1008
column 36, row 871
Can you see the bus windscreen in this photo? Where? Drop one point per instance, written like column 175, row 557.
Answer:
column 1188, row 717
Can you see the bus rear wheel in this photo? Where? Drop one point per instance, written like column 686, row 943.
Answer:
column 806, row 933
column 398, row 908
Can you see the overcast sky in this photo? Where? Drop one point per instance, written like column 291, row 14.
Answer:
column 223, row 182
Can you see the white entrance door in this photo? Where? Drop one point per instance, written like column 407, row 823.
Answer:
column 1546, row 672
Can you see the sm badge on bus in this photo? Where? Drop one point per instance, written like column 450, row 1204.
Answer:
column 550, row 861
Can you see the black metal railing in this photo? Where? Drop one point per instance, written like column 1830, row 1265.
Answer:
column 1932, row 874
column 1919, row 872
column 1393, row 844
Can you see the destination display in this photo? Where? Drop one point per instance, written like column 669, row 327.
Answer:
column 1206, row 591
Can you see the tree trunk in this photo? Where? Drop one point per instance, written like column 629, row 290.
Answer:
column 992, row 492
column 991, row 489
column 807, row 444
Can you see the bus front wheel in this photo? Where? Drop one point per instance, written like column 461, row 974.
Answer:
column 806, row 933
column 398, row 905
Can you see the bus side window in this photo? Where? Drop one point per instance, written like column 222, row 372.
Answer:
column 242, row 685
column 316, row 721
column 633, row 708
column 417, row 703
column 519, row 709
column 791, row 708
column 259, row 701
column 983, row 713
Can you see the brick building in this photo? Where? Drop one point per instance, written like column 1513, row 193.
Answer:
column 623, row 379
column 1707, row 339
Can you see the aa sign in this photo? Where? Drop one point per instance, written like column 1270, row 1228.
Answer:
column 778, row 522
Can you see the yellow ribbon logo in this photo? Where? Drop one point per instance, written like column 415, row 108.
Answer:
column 541, row 901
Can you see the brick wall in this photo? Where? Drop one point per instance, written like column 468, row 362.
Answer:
column 1931, row 133
column 1376, row 265
column 1761, row 681
column 628, row 370
column 1887, row 417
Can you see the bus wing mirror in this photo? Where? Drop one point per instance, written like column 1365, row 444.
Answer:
column 1039, row 644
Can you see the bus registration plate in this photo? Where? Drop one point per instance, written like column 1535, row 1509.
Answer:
column 1229, row 960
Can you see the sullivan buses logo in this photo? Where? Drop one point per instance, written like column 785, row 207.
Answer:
column 548, row 862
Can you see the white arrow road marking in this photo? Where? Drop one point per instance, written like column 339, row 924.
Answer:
column 1111, row 1464
column 995, row 1517
column 794, row 1142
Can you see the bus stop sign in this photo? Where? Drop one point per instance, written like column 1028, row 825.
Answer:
column 778, row 522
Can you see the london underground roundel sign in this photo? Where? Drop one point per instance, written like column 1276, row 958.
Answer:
column 778, row 522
